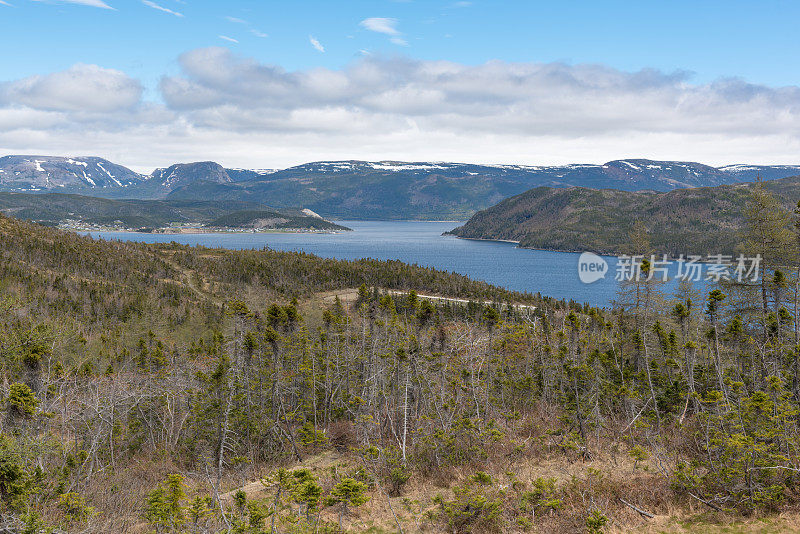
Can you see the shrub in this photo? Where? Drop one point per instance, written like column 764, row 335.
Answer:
column 388, row 464
column 743, row 450
column 310, row 436
column 543, row 498
column 306, row 491
column 472, row 509
column 199, row 509
column 595, row 522
column 462, row 443
column 240, row 501
column 482, row 478
column 256, row 515
column 22, row 400
column 638, row 454
column 163, row 507
column 74, row 507
column 350, row 493
column 398, row 477
column 13, row 479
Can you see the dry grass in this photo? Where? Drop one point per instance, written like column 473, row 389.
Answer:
column 640, row 485
column 582, row 489
column 701, row 524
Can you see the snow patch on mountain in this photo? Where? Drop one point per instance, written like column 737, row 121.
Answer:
column 631, row 165
column 397, row 167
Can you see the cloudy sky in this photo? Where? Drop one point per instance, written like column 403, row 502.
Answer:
column 267, row 84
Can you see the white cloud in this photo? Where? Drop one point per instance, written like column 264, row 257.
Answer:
column 385, row 26
column 91, row 3
column 237, row 20
column 3, row 3
column 245, row 113
column 12, row 119
column 380, row 25
column 148, row 3
column 226, row 38
column 84, row 88
column 316, row 44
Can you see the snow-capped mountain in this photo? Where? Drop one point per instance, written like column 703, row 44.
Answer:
column 42, row 173
column 747, row 173
column 366, row 189
column 182, row 174
column 244, row 175
column 625, row 174
column 441, row 190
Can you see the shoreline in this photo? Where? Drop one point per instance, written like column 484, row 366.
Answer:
column 345, row 219
column 488, row 239
column 669, row 257
column 210, row 231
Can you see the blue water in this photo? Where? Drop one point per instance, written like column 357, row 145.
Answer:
column 553, row 274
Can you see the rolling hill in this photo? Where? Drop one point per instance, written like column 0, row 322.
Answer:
column 398, row 190
column 53, row 209
column 704, row 220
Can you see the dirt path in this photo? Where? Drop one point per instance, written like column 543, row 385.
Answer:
column 351, row 295
column 189, row 280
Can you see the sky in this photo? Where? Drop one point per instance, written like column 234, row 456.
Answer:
column 269, row 84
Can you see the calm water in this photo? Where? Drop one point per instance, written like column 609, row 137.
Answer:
column 549, row 273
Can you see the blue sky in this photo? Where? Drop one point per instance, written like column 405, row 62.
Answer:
column 720, row 52
column 753, row 40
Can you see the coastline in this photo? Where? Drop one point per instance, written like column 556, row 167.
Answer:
column 669, row 257
column 486, row 239
column 190, row 231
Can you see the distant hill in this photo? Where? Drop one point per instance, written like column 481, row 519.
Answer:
column 270, row 219
column 52, row 173
column 246, row 175
column 163, row 181
column 55, row 208
column 704, row 220
column 398, row 190
column 182, row 174
column 362, row 189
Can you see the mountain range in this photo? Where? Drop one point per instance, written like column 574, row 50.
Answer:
column 52, row 173
column 361, row 189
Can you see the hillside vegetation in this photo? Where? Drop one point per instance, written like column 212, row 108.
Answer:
column 263, row 219
column 444, row 191
column 54, row 209
column 174, row 389
column 705, row 220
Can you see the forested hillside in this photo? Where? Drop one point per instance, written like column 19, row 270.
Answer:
column 364, row 189
column 59, row 209
column 704, row 220
column 426, row 190
column 164, row 388
column 272, row 219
